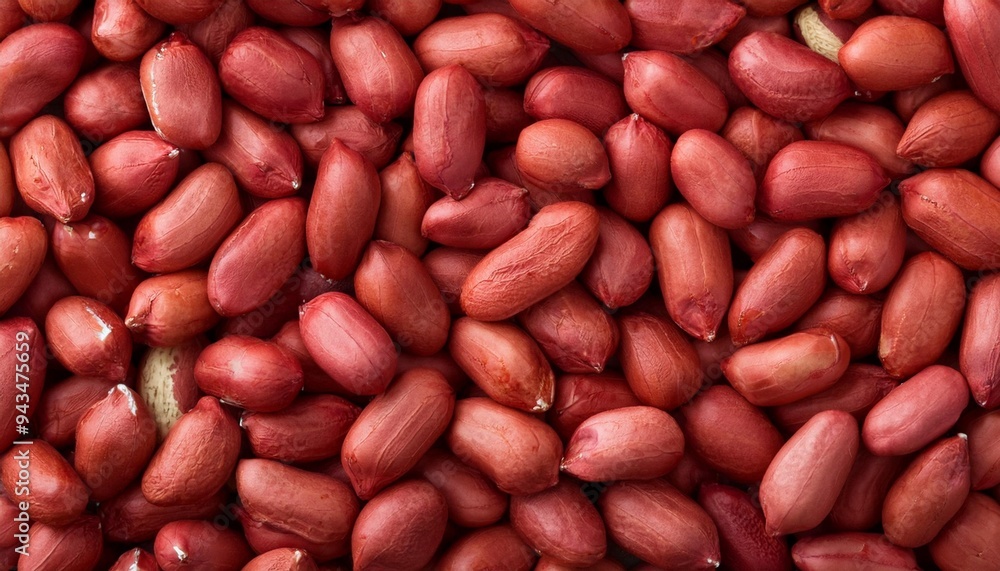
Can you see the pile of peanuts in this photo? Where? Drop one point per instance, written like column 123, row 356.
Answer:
column 473, row 285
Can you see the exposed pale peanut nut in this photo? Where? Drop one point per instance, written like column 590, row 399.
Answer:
column 794, row 499
column 396, row 429
column 166, row 383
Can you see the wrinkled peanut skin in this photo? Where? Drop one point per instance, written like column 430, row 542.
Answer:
column 744, row 541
